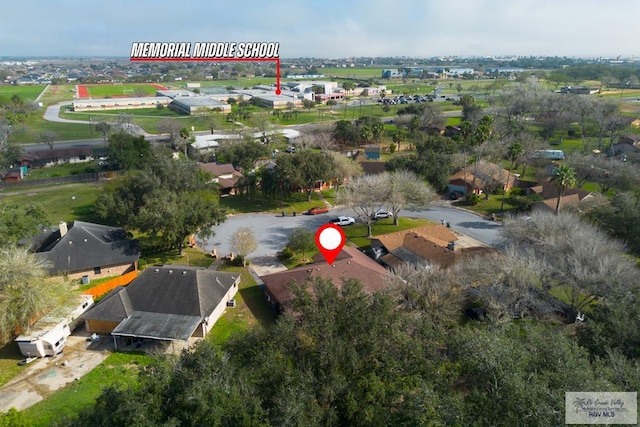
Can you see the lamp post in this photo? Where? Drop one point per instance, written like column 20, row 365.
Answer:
column 90, row 128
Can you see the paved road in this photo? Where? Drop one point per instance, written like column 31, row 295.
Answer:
column 272, row 231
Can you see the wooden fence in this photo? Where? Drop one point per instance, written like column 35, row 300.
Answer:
column 103, row 288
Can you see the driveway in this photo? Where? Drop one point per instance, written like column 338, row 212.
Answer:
column 48, row 374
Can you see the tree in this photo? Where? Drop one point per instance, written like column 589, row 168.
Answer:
column 127, row 151
column 20, row 221
column 308, row 104
column 407, row 190
column 242, row 154
column 563, row 178
column 619, row 218
column 263, row 125
column 344, row 168
column 302, row 241
column 104, row 129
column 515, row 151
column 171, row 127
column 366, row 195
column 49, row 137
column 313, row 168
column 243, row 242
column 169, row 199
column 578, row 259
column 24, row 294
column 399, row 136
column 209, row 117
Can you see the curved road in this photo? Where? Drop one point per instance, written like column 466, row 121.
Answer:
column 272, row 231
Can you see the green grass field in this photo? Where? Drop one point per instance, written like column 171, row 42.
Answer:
column 357, row 234
column 58, row 201
column 113, row 90
column 27, row 93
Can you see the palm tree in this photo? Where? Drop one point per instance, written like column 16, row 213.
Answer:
column 514, row 151
column 563, row 178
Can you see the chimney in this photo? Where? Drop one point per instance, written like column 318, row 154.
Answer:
column 63, row 229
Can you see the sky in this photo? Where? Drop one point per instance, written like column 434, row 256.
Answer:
column 328, row 28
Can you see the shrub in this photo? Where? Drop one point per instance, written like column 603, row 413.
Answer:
column 286, row 253
column 392, row 148
column 472, row 199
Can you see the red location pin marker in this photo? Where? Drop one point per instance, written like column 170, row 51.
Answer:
column 330, row 240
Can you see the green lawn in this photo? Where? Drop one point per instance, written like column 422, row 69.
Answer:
column 66, row 202
column 357, row 234
column 190, row 256
column 27, row 93
column 252, row 309
column 10, row 355
column 62, row 170
column 297, row 203
column 114, row 90
column 117, row 369
column 34, row 125
column 487, row 207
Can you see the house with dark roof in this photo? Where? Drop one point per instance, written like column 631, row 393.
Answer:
column 85, row 250
column 57, row 156
column 224, row 174
column 165, row 303
column 350, row 263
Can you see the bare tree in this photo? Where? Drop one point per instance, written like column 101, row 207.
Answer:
column 209, row 117
column 344, row 168
column 243, row 242
column 407, row 190
column 171, row 127
column 264, row 126
column 579, row 259
column 366, row 195
column 49, row 137
column 104, row 129
column 427, row 290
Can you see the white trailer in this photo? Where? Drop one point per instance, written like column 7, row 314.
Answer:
column 48, row 340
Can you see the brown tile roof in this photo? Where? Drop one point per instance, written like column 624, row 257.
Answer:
column 568, row 200
column 495, row 172
column 436, row 233
column 217, row 169
column 549, row 191
column 350, row 264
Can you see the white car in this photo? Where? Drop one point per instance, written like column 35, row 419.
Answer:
column 343, row 220
column 381, row 214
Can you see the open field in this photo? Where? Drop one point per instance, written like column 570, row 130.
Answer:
column 59, row 203
column 118, row 90
column 27, row 93
column 357, row 234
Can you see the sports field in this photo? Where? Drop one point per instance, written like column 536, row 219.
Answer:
column 117, row 90
column 27, row 93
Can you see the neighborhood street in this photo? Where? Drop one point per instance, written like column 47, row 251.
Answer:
column 272, row 230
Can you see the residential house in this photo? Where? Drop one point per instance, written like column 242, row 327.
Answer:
column 85, row 250
column 224, row 174
column 351, row 263
column 485, row 178
column 434, row 244
column 171, row 303
column 572, row 197
column 57, row 156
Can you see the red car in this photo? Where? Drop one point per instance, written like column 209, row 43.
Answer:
column 317, row 210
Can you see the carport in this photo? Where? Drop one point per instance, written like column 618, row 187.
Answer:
column 156, row 326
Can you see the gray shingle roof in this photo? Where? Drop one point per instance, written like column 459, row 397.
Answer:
column 84, row 246
column 164, row 302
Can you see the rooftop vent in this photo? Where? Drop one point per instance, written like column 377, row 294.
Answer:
column 156, row 270
column 184, row 273
column 170, row 271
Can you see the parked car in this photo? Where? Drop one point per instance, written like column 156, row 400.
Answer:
column 290, row 149
column 343, row 220
column 317, row 210
column 381, row 214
